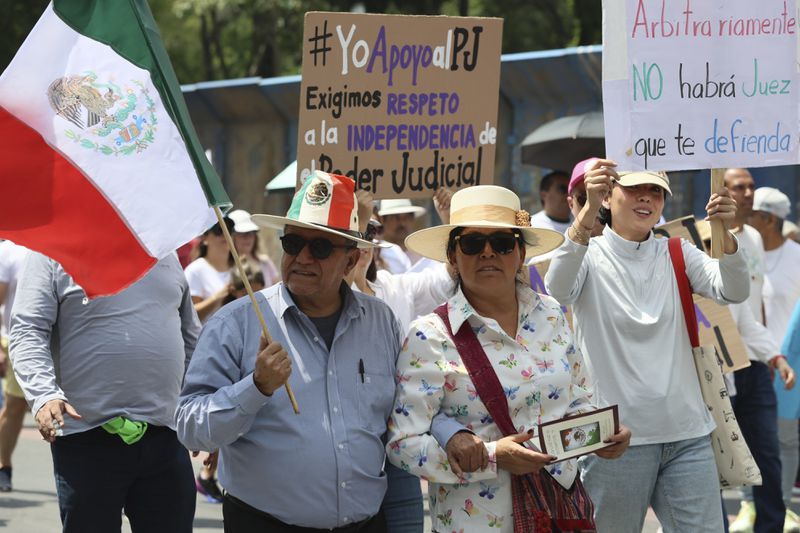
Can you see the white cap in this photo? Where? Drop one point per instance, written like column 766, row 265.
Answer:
column 241, row 221
column 772, row 201
column 399, row 207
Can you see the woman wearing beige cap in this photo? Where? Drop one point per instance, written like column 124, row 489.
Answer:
column 629, row 324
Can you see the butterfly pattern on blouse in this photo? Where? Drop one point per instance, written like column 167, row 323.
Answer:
column 432, row 379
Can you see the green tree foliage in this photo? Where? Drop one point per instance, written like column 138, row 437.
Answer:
column 224, row 39
column 17, row 20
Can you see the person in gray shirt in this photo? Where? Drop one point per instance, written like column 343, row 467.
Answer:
column 321, row 469
column 102, row 378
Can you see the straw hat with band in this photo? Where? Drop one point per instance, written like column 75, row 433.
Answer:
column 325, row 202
column 483, row 206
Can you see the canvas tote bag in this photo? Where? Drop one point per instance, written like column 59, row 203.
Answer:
column 735, row 463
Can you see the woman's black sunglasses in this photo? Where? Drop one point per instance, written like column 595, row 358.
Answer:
column 320, row 247
column 501, row 242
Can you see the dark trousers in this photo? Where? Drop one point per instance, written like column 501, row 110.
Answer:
column 402, row 505
column 240, row 517
column 756, row 410
column 98, row 476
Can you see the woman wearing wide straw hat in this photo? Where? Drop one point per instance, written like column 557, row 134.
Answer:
column 527, row 345
column 629, row 324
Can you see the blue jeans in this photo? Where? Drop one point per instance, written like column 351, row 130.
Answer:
column 678, row 480
column 402, row 505
column 756, row 410
column 98, row 476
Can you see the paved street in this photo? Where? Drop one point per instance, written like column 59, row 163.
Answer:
column 33, row 508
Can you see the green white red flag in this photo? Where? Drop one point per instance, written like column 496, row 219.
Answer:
column 100, row 166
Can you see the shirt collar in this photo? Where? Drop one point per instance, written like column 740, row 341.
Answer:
column 459, row 309
column 351, row 307
column 630, row 249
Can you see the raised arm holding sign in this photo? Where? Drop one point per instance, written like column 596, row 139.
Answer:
column 700, row 85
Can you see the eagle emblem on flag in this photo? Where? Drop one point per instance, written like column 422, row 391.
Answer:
column 103, row 112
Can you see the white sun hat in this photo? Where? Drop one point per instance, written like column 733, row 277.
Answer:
column 399, row 207
column 483, row 206
column 241, row 221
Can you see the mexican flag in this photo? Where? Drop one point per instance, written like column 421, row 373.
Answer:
column 100, row 166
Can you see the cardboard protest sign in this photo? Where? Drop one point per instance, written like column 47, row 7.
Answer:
column 714, row 322
column 693, row 85
column 401, row 104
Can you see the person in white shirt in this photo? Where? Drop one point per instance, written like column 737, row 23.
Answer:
column 629, row 324
column 781, row 292
column 397, row 217
column 210, row 274
column 555, row 214
column 245, row 239
column 764, row 508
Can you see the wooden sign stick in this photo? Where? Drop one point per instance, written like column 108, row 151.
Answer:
column 256, row 308
column 717, row 229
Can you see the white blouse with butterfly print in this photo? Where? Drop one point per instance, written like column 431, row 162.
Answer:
column 542, row 374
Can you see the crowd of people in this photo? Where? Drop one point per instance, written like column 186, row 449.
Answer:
column 414, row 355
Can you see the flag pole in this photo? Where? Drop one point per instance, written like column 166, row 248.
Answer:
column 256, row 307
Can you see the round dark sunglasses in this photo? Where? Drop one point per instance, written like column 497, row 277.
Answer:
column 319, row 247
column 501, row 242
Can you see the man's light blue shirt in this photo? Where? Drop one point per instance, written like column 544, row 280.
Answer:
column 322, row 468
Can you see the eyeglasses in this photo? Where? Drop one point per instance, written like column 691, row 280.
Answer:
column 320, row 248
column 501, row 242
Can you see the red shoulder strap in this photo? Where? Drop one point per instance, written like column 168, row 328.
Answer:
column 483, row 376
column 684, row 289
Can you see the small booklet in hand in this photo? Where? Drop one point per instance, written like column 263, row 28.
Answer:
column 578, row 435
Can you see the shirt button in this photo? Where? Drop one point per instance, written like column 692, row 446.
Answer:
column 330, row 372
column 344, row 484
column 341, row 446
column 335, row 409
column 346, row 519
column 316, row 339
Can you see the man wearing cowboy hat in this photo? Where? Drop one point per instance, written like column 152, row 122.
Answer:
column 321, row 468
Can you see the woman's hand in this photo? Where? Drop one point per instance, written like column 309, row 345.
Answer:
column 517, row 459
column 621, row 440
column 598, row 181
column 441, row 201
column 466, row 453
column 722, row 207
column 784, row 371
column 365, row 201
